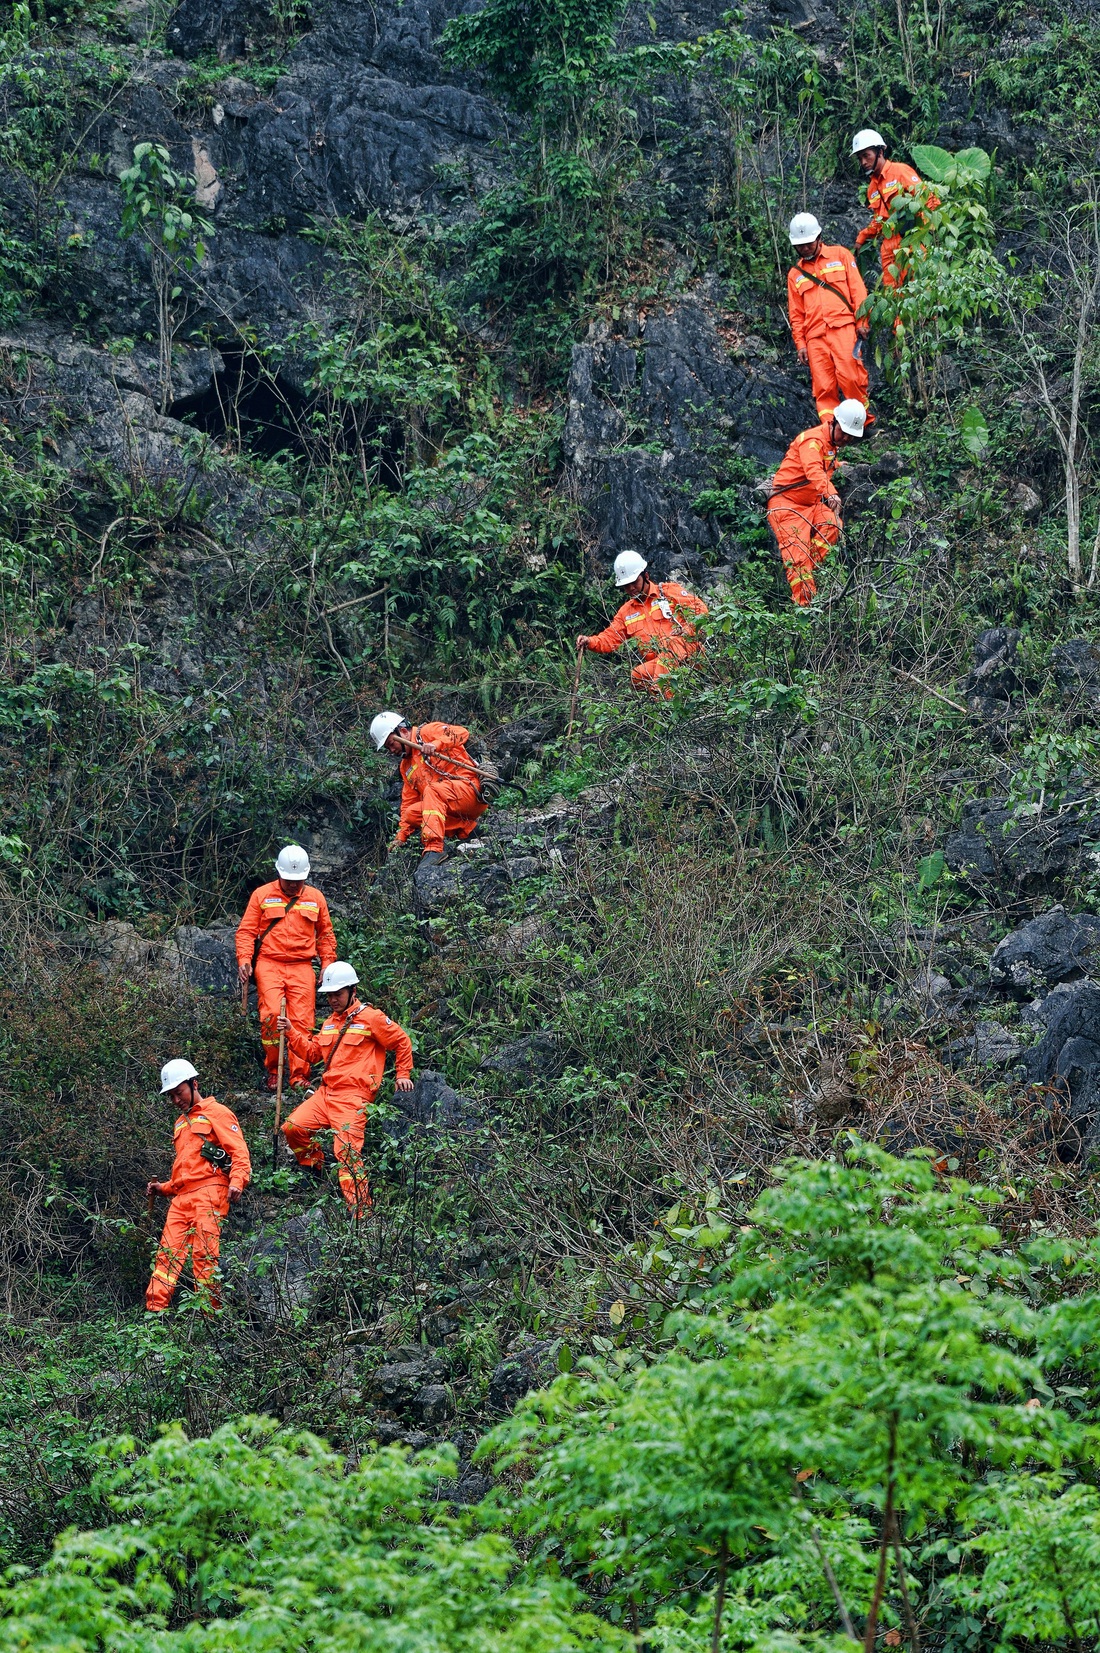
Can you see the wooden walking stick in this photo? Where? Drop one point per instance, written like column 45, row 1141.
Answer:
column 279, row 1085
column 244, row 997
column 573, row 698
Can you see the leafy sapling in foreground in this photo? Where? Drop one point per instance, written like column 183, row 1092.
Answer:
column 257, row 1537
column 864, row 1354
column 159, row 204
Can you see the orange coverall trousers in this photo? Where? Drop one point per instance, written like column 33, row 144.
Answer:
column 193, row 1224
column 445, row 807
column 346, row 1117
column 834, row 372
column 295, row 979
column 889, row 247
column 806, row 530
column 646, row 673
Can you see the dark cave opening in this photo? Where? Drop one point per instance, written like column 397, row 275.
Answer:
column 264, row 411
column 267, row 414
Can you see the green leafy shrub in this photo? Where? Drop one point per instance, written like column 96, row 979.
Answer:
column 573, row 209
column 158, row 204
column 854, row 1365
column 259, row 1537
column 951, row 276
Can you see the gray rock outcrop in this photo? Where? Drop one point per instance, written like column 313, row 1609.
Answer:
column 993, row 679
column 1057, row 946
column 525, row 1061
column 1013, row 850
column 656, row 402
column 1067, row 1060
column 524, row 1368
column 1077, row 673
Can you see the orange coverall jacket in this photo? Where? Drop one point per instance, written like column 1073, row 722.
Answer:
column 895, row 179
column 456, row 804
column 810, row 461
column 804, row 526
column 813, row 309
column 349, row 1086
column 207, row 1121
column 199, row 1193
column 357, row 1067
column 660, row 621
column 306, row 933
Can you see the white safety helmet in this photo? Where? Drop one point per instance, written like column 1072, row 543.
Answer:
column 383, row 726
column 292, row 863
column 868, row 139
column 851, row 416
column 336, row 976
column 804, row 229
column 628, row 565
column 174, row 1073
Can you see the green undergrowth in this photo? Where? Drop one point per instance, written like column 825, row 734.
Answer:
column 870, row 1371
column 727, row 925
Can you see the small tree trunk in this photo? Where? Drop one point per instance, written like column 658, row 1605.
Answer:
column 1073, row 520
column 910, row 1616
column 162, row 285
column 1095, row 556
column 871, row 1628
column 720, row 1598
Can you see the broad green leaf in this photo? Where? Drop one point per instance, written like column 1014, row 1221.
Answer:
column 931, row 869
column 976, row 162
column 932, row 162
column 974, row 433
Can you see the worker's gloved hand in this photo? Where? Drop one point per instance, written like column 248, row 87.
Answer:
column 403, row 1084
column 803, row 355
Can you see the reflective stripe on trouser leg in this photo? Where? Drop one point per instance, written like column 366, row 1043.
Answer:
column 823, row 380
column 834, row 372
column 450, row 806
column 433, row 826
column 804, row 533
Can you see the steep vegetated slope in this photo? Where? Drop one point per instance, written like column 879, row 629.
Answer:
column 342, row 347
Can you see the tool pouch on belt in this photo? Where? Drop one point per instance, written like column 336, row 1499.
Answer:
column 216, row 1154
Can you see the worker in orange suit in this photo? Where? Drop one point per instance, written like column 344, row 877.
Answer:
column 352, row 1044
column 824, row 294
column 286, row 925
column 659, row 616
column 804, row 506
column 886, row 180
column 440, row 790
column 210, row 1172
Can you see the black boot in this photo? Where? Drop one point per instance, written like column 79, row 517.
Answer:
column 432, row 858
